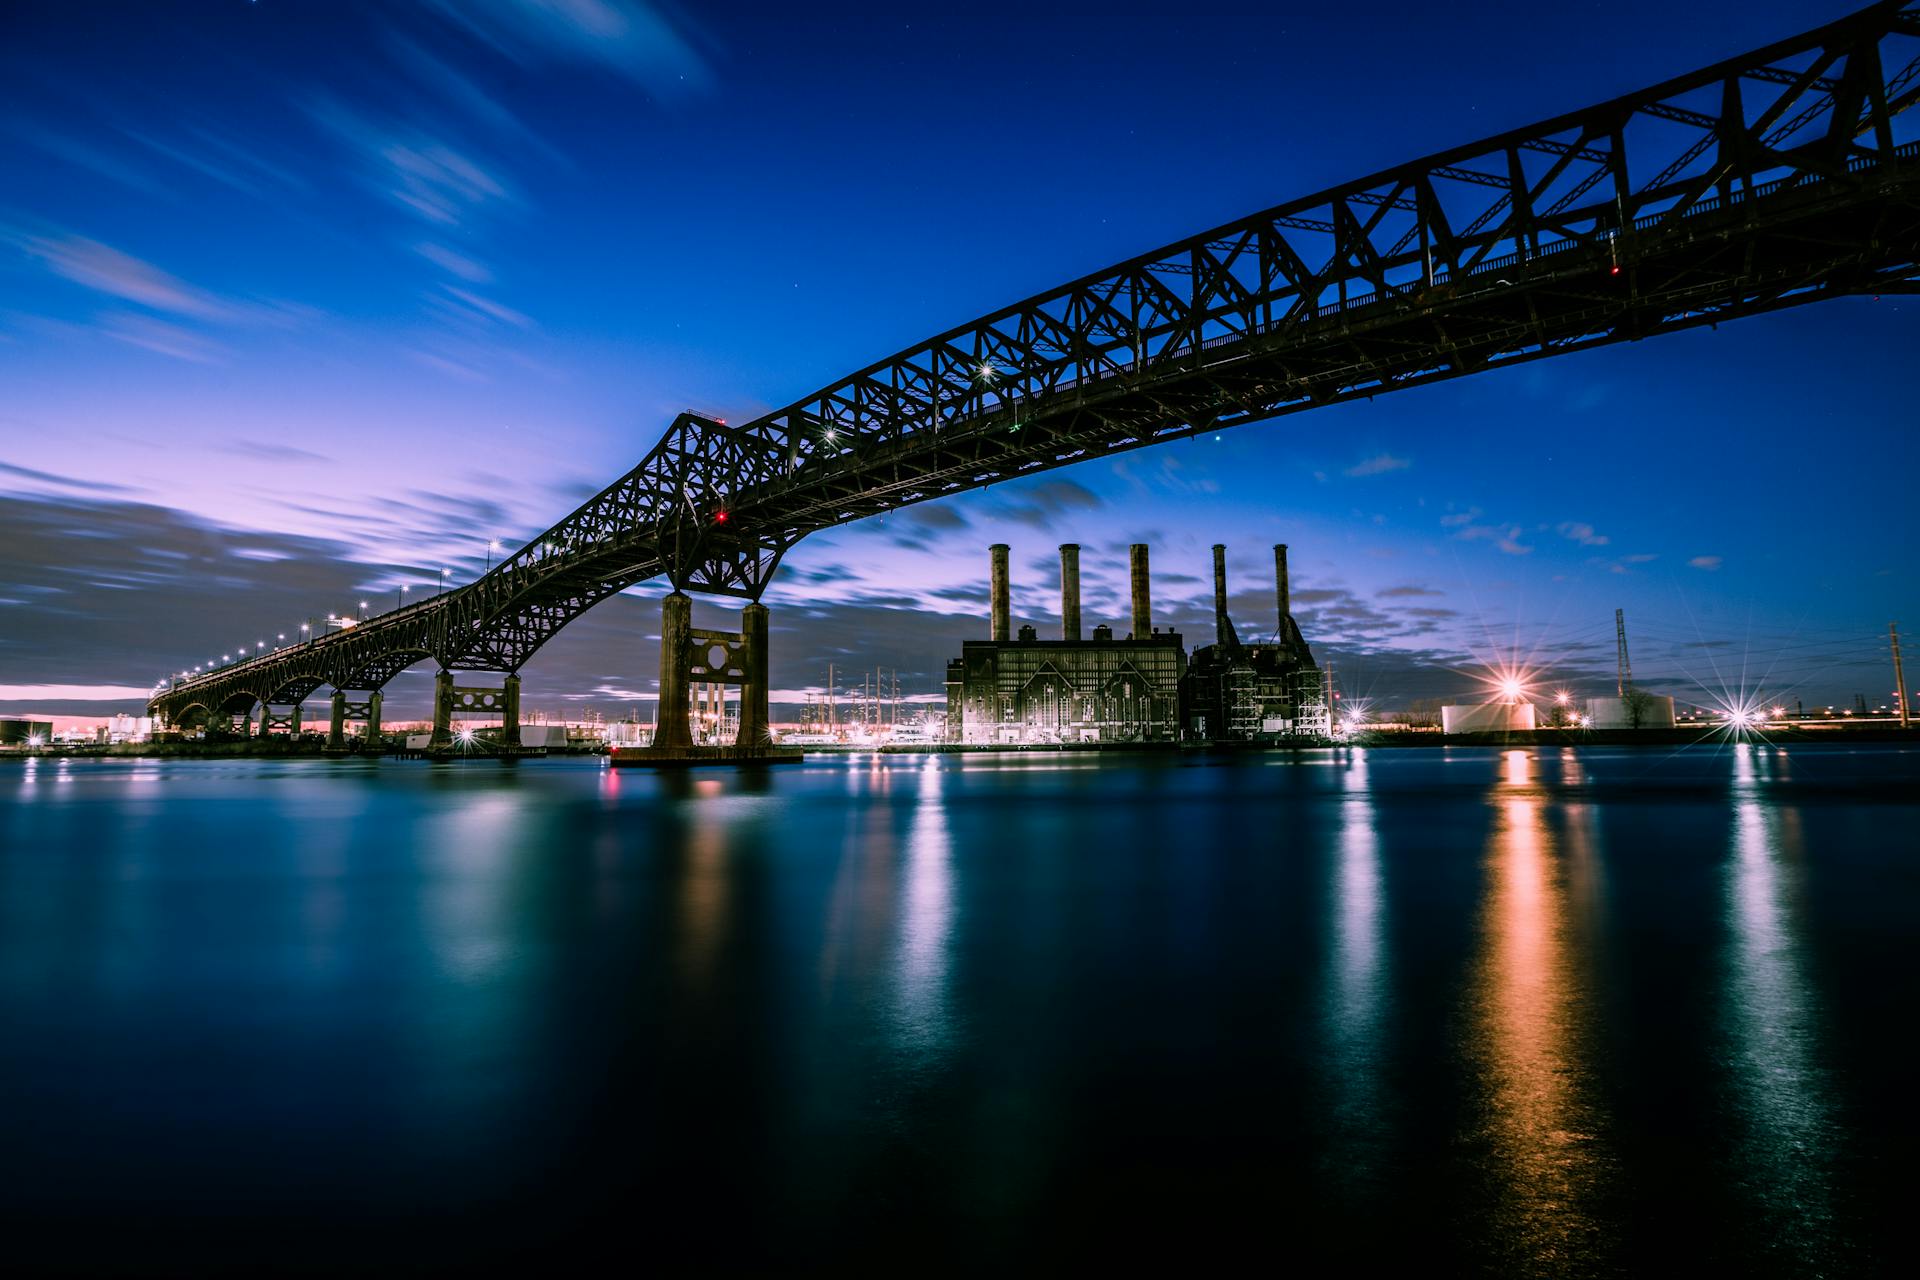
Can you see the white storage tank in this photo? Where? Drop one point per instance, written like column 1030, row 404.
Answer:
column 1487, row 717
column 1652, row 711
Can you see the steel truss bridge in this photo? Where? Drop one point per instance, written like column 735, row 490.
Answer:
column 1762, row 182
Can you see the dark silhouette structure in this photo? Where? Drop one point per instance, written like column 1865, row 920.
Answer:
column 1758, row 183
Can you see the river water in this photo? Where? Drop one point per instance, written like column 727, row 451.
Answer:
column 1512, row 1013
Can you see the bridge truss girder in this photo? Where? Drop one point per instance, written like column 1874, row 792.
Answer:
column 1764, row 181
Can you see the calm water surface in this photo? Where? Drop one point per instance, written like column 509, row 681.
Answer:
column 1515, row 1013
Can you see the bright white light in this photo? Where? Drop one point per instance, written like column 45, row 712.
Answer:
column 986, row 373
column 1778, row 712
column 1586, row 722
column 1511, row 688
column 35, row 740
column 1563, row 697
column 465, row 735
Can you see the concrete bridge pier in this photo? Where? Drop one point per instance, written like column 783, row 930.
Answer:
column 346, row 709
column 755, row 731
column 442, row 712
column 449, row 698
column 288, row 720
column 712, row 658
column 672, row 728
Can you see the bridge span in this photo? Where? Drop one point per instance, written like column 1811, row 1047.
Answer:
column 1782, row 177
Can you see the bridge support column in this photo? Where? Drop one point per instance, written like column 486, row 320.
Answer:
column 442, row 710
column 293, row 720
column 510, row 712
column 676, row 635
column 266, row 719
column 373, row 719
column 754, row 729
column 710, row 660
column 337, row 729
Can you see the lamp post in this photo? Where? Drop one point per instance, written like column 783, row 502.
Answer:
column 493, row 545
column 363, row 611
column 400, row 597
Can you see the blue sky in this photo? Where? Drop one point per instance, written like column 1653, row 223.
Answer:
column 301, row 302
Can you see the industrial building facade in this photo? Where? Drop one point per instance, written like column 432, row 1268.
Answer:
column 1019, row 690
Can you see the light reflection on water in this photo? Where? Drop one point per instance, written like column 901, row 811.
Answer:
column 1357, row 985
column 1785, row 1127
column 1529, row 1040
column 1002, row 1001
column 926, row 920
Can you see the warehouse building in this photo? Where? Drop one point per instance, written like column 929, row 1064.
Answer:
column 1258, row 690
column 1022, row 690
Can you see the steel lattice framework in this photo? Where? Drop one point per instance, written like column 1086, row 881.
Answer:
column 1762, row 182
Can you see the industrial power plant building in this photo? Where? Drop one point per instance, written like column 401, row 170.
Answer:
column 1012, row 690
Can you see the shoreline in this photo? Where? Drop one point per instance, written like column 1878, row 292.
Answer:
column 1658, row 738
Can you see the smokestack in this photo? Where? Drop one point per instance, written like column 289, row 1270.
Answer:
column 1001, row 626
column 1220, row 592
column 1281, row 585
column 1069, row 591
column 1142, row 593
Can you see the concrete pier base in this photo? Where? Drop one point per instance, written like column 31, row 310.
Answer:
column 689, row 757
column 686, row 655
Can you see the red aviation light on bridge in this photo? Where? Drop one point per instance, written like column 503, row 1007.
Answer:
column 719, row 517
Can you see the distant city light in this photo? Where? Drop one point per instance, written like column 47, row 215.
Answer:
column 1563, row 697
column 1511, row 688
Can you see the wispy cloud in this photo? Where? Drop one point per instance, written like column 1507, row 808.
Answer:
column 161, row 337
column 1379, row 464
column 1041, row 504
column 421, row 172
column 636, row 39
column 455, row 263
column 107, row 270
column 1466, row 527
column 1582, row 533
column 1705, row 562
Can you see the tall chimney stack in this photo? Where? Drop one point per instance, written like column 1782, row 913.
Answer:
column 1069, row 591
column 1001, row 626
column 1142, row 591
column 1220, row 592
column 1281, row 585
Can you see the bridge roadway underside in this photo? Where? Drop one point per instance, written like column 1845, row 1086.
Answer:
column 1785, row 195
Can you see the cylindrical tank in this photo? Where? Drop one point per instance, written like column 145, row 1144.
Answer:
column 1487, row 717
column 1635, row 711
column 1000, row 627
